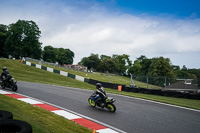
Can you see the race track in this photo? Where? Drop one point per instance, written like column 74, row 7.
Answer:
column 133, row 115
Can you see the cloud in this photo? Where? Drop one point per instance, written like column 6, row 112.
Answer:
column 127, row 34
column 94, row 29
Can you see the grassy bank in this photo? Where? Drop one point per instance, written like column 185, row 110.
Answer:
column 104, row 77
column 42, row 121
column 22, row 72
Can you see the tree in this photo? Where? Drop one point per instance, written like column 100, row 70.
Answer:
column 161, row 67
column 136, row 68
column 49, row 54
column 141, row 58
column 175, row 67
column 122, row 63
column 64, row 56
column 182, row 74
column 107, row 65
column 3, row 36
column 184, row 68
column 194, row 71
column 145, row 63
column 61, row 55
column 92, row 61
column 23, row 40
column 69, row 56
column 102, row 57
column 85, row 62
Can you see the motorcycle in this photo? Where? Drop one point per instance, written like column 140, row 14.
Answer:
column 107, row 103
column 10, row 84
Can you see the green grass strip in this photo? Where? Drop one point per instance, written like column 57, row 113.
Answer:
column 42, row 121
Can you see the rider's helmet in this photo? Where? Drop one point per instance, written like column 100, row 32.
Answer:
column 98, row 85
column 4, row 68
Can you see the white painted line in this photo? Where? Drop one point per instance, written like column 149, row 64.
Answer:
column 107, row 130
column 4, row 92
column 31, row 101
column 66, row 114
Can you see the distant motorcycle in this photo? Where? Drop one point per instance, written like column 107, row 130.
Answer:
column 12, row 84
column 107, row 103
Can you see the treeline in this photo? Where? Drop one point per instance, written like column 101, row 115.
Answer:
column 60, row 55
column 142, row 66
column 21, row 39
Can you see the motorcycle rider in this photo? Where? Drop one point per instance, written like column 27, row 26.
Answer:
column 5, row 75
column 101, row 93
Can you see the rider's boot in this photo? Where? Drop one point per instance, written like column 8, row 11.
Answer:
column 101, row 104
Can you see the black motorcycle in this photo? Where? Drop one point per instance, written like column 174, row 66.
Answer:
column 12, row 84
column 107, row 103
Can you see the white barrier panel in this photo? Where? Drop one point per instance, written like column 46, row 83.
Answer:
column 63, row 73
column 28, row 63
column 49, row 69
column 38, row 66
column 79, row 78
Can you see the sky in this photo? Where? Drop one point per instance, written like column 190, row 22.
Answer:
column 154, row 28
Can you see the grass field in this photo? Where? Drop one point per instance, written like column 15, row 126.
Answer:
column 22, row 72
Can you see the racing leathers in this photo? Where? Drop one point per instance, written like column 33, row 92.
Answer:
column 5, row 76
column 102, row 95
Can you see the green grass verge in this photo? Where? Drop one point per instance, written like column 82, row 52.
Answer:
column 104, row 77
column 42, row 121
column 22, row 72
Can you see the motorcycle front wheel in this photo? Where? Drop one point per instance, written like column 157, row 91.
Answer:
column 111, row 107
column 91, row 102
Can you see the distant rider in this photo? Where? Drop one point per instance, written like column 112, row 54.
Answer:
column 5, row 75
column 101, row 93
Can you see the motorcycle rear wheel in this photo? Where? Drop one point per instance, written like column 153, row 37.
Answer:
column 91, row 102
column 3, row 86
column 14, row 87
column 111, row 107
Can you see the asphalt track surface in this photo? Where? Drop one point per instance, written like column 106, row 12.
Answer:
column 132, row 116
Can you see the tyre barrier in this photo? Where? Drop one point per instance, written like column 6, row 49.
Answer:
column 5, row 115
column 166, row 93
column 14, row 126
column 9, row 125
